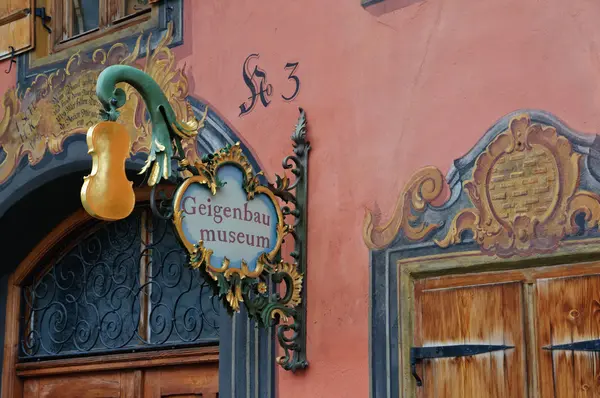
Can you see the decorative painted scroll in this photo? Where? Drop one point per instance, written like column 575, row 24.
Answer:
column 424, row 187
column 524, row 192
column 64, row 103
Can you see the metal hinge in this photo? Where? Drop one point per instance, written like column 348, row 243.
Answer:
column 448, row 351
column 588, row 345
column 41, row 13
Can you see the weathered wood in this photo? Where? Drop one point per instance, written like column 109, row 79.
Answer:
column 184, row 381
column 100, row 385
column 132, row 384
column 12, row 385
column 484, row 314
column 568, row 310
column 13, row 16
column 9, row 6
column 16, row 28
column 119, row 361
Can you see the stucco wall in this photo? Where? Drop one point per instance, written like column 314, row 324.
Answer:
column 385, row 93
column 387, row 90
column 7, row 79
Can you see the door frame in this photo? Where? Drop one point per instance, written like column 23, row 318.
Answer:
column 13, row 372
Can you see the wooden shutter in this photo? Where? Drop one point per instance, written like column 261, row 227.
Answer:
column 483, row 313
column 16, row 26
column 568, row 311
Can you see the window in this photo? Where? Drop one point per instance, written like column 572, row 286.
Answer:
column 80, row 20
column 83, row 26
column 122, row 286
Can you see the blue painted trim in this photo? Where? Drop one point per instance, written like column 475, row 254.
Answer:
column 367, row 3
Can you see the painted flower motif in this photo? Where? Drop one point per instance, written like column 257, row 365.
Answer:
column 262, row 288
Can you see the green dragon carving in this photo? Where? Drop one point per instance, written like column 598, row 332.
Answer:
column 165, row 126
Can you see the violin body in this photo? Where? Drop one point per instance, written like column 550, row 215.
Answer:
column 106, row 193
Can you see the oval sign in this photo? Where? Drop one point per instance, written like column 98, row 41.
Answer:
column 236, row 230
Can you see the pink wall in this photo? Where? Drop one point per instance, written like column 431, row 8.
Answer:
column 385, row 93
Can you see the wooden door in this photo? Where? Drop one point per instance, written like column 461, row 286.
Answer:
column 182, row 382
column 94, row 385
column 568, row 311
column 190, row 381
column 476, row 314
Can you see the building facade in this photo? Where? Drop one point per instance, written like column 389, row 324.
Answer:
column 454, row 197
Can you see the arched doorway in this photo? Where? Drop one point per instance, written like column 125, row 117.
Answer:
column 110, row 309
column 35, row 203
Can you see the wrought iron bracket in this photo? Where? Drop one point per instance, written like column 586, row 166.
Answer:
column 292, row 336
column 588, row 345
column 450, row 351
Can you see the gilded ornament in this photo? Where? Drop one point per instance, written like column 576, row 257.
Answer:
column 262, row 288
column 207, row 175
column 291, row 271
column 522, row 189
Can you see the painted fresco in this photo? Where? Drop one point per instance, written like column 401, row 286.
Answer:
column 63, row 103
column 512, row 227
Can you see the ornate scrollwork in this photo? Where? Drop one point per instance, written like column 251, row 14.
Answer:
column 291, row 309
column 200, row 256
column 523, row 189
column 423, row 188
column 117, row 290
column 256, row 288
column 524, row 193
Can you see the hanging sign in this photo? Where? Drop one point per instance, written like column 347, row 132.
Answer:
column 230, row 221
column 225, row 214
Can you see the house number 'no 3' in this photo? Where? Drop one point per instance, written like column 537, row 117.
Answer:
column 256, row 81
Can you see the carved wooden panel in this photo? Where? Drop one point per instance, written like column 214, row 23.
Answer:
column 94, row 385
column 476, row 314
column 568, row 311
column 182, row 382
column 189, row 381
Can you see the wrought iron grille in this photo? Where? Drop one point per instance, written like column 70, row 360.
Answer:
column 126, row 286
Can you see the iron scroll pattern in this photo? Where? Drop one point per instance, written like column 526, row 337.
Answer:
column 115, row 291
column 260, row 295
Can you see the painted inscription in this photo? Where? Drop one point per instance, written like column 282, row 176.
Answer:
column 228, row 223
column 76, row 105
column 256, row 81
